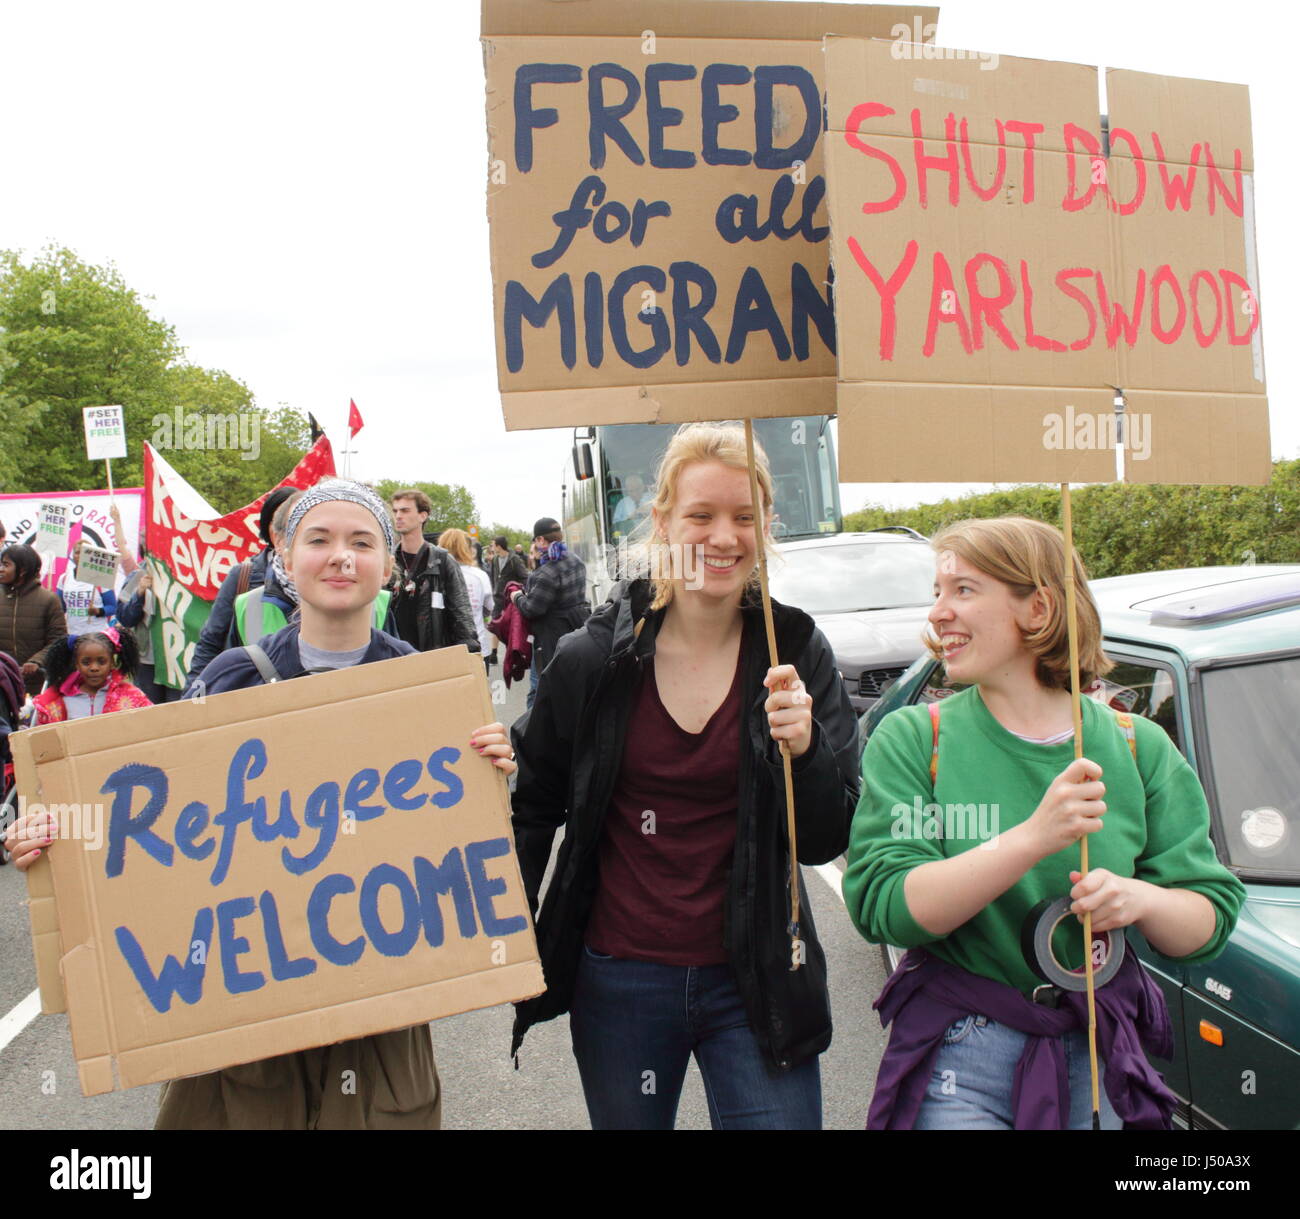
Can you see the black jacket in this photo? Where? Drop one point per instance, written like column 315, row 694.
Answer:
column 436, row 572
column 569, row 748
column 504, row 569
column 216, row 630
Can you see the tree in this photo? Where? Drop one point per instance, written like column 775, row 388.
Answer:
column 453, row 505
column 74, row 335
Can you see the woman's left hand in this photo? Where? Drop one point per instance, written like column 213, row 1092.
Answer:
column 789, row 709
column 1114, row 901
column 492, row 741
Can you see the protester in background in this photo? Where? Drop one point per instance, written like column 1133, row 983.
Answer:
column 267, row 608
column 135, row 613
column 240, row 579
column 652, row 742
column 84, row 603
column 504, row 567
column 90, row 674
column 978, row 1042
column 338, row 552
column 32, row 621
column 430, row 601
column 555, row 598
column 477, row 585
column 635, row 504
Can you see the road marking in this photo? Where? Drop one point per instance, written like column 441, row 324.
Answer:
column 833, row 877
column 13, row 1022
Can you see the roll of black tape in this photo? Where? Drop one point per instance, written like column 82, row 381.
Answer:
column 1036, row 943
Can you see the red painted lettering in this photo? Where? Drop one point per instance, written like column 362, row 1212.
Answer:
column 1178, row 190
column 944, row 307
column 888, row 290
column 987, row 307
column 1232, row 202
column 1076, row 135
column 999, row 175
column 852, row 126
column 1116, row 318
column 1139, row 171
column 1028, row 130
column 1165, row 275
column 1037, row 341
column 1249, row 304
column 946, row 163
column 1063, row 283
column 1203, row 337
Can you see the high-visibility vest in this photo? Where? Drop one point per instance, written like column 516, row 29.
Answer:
column 253, row 613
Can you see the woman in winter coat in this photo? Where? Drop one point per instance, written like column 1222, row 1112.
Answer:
column 32, row 620
column 339, row 554
column 978, row 1039
column 653, row 742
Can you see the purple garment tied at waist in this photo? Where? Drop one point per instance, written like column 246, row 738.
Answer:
column 925, row 995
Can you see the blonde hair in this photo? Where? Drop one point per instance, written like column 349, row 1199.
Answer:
column 697, row 442
column 456, row 542
column 1029, row 556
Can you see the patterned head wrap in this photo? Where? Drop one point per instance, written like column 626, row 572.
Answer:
column 331, row 490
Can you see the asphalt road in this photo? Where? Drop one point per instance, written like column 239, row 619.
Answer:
column 481, row 1088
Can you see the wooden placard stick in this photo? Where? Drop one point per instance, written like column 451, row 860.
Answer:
column 1076, row 707
column 796, row 945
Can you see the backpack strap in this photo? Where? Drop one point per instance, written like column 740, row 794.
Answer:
column 934, row 749
column 263, row 662
column 245, row 575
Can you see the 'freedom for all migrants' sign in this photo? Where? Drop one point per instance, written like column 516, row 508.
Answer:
column 1004, row 264
column 658, row 207
column 275, row 868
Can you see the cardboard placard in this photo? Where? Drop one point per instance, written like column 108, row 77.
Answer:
column 51, row 529
column 105, row 432
column 275, row 868
column 999, row 275
column 97, row 567
column 656, row 200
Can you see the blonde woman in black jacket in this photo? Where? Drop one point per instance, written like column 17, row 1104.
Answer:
column 653, row 742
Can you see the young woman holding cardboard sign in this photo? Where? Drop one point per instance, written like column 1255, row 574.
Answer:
column 652, row 741
column 988, row 1025
column 339, row 543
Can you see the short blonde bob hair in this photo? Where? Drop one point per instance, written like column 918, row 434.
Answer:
column 720, row 442
column 1029, row 556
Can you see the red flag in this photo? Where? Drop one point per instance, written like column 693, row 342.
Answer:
column 354, row 418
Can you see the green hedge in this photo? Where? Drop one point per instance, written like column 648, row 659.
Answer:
column 1121, row 528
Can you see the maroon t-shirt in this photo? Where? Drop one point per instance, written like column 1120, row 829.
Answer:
column 669, row 835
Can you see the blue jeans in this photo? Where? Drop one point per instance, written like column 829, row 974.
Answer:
column 970, row 1087
column 635, row 1025
column 534, row 670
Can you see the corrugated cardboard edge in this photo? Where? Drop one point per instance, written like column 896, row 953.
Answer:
column 974, row 433
column 381, row 1013
column 681, row 402
column 1223, row 438
column 672, row 19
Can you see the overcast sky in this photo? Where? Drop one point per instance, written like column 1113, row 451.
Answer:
column 300, row 189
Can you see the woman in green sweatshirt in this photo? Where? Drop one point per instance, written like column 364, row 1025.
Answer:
column 1012, row 802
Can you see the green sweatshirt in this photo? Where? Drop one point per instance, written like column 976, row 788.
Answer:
column 1156, row 828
